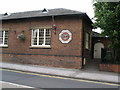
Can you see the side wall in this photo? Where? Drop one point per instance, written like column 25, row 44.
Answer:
column 59, row 55
column 103, row 40
column 87, row 28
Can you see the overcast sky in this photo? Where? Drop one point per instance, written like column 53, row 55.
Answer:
column 12, row 6
column 29, row 5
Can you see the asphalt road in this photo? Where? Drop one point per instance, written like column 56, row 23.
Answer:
column 12, row 85
column 47, row 81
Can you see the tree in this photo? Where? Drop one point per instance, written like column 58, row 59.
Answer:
column 107, row 17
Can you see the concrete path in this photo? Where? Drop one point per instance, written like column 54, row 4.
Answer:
column 73, row 73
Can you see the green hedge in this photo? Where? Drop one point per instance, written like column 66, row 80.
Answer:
column 106, row 57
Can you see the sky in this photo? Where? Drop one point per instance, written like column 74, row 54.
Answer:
column 12, row 6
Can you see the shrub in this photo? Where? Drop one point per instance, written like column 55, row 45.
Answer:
column 21, row 37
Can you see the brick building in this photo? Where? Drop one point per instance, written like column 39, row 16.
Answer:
column 55, row 37
column 98, row 43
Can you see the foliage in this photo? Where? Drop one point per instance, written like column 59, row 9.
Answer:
column 21, row 37
column 107, row 57
column 107, row 17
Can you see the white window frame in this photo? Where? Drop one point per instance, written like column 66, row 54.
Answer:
column 43, row 45
column 3, row 41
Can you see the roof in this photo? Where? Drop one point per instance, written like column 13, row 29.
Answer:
column 40, row 13
column 96, row 34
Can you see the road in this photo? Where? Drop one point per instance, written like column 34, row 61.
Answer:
column 12, row 85
column 46, row 81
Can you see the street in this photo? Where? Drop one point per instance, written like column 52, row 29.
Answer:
column 46, row 81
column 12, row 85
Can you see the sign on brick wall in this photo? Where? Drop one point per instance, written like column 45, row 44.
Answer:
column 65, row 36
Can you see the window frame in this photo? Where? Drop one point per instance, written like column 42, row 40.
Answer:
column 44, row 39
column 3, row 37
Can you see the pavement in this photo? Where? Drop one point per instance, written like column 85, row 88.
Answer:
column 95, row 75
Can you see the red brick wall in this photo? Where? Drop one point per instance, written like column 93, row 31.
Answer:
column 87, row 52
column 55, row 61
column 103, row 40
column 60, row 55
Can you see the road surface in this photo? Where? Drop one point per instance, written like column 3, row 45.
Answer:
column 42, row 81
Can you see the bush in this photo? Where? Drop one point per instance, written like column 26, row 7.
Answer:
column 21, row 37
column 108, row 59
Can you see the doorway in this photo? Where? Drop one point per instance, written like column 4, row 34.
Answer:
column 97, row 50
column 93, row 65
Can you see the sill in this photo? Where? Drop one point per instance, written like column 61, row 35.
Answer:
column 87, row 49
column 6, row 46
column 46, row 47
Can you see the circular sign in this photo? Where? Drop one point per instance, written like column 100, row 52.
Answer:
column 65, row 36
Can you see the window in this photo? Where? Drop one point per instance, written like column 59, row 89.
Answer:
column 87, row 40
column 3, row 38
column 41, row 37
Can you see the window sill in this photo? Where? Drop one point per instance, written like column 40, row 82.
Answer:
column 47, row 47
column 87, row 49
column 3, row 46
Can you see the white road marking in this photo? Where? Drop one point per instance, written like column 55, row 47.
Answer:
column 17, row 85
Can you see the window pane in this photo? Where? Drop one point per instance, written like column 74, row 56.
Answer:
column 87, row 40
column 41, row 36
column 34, row 39
column 1, row 41
column 1, row 33
column 87, row 37
column 48, row 37
column 87, row 44
column 3, row 37
column 6, row 38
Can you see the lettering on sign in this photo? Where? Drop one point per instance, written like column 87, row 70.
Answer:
column 65, row 36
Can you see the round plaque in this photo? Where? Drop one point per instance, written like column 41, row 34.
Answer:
column 65, row 36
